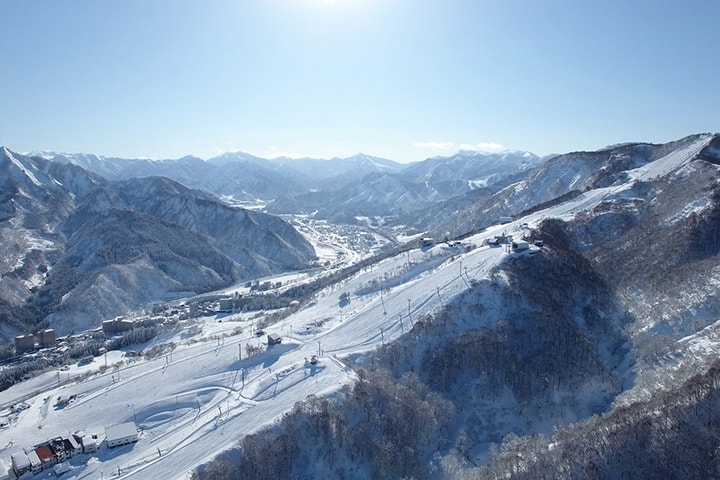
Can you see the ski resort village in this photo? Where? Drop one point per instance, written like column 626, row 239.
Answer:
column 359, row 240
column 172, row 389
column 186, row 395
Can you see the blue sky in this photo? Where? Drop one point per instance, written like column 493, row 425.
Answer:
column 401, row 79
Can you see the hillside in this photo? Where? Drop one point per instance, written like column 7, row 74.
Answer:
column 562, row 177
column 571, row 333
column 78, row 249
column 451, row 360
column 339, row 190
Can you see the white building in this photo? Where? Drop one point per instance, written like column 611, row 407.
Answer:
column 88, row 442
column 35, row 463
column 121, row 434
column 20, row 463
column 520, row 245
column 73, row 445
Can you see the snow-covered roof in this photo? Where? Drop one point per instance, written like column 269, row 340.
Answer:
column 33, row 457
column 61, row 468
column 122, row 430
column 73, row 443
column 20, row 460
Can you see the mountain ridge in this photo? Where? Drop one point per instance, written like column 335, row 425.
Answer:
column 481, row 350
column 60, row 246
column 299, row 185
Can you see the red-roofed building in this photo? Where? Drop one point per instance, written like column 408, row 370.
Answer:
column 46, row 456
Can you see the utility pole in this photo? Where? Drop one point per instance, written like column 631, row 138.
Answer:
column 382, row 300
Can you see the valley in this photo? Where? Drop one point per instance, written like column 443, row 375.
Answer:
column 359, row 240
column 195, row 400
column 211, row 378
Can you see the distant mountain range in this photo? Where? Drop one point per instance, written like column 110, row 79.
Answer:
column 339, row 189
column 79, row 248
column 86, row 237
column 509, row 358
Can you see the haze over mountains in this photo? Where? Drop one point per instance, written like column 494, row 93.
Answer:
column 81, row 248
column 462, row 359
column 303, row 185
column 108, row 234
column 64, row 209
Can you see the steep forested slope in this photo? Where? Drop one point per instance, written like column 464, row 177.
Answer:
column 672, row 435
column 509, row 355
column 603, row 337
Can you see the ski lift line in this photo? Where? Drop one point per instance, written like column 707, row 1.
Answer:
column 372, row 337
column 87, row 383
column 375, row 335
column 176, row 447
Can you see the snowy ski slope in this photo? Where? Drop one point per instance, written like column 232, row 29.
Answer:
column 199, row 399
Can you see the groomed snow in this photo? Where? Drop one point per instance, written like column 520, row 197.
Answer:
column 202, row 397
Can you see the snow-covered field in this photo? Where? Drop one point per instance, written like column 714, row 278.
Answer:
column 198, row 399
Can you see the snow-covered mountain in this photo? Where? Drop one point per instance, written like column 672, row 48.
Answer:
column 336, row 172
column 460, row 359
column 239, row 175
column 468, row 170
column 36, row 196
column 414, row 193
column 80, row 249
column 338, row 189
column 615, row 316
column 558, row 179
column 376, row 194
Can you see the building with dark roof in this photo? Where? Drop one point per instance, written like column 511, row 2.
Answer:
column 58, row 447
column 46, row 456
